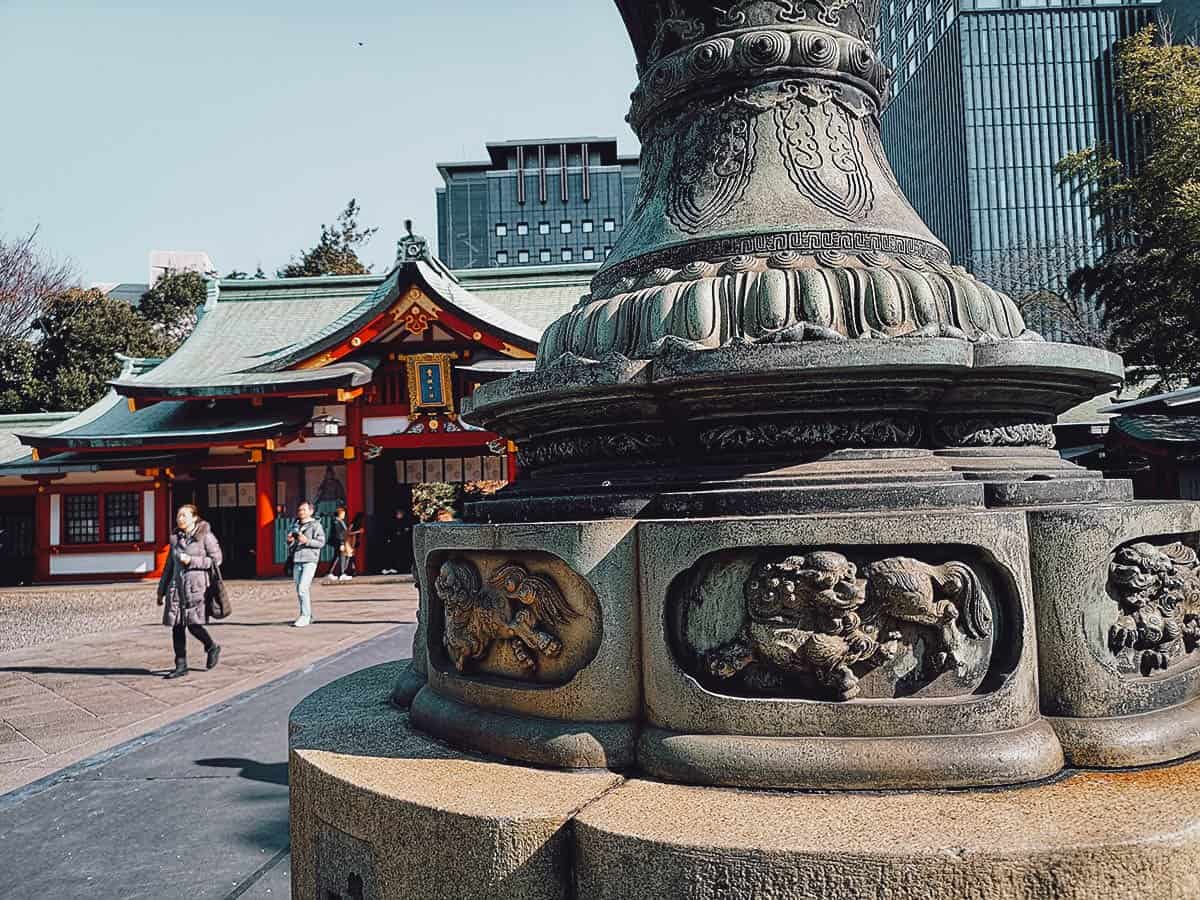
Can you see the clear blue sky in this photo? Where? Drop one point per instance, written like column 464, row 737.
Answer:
column 202, row 125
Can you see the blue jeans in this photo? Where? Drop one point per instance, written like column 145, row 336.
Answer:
column 303, row 574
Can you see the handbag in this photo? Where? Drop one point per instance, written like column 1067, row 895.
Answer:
column 217, row 596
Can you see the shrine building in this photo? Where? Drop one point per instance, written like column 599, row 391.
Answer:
column 343, row 391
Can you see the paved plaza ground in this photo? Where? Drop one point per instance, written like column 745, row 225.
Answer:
column 197, row 809
column 81, row 668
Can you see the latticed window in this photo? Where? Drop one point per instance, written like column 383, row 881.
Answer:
column 122, row 518
column 81, row 519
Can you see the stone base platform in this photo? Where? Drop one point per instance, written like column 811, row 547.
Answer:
column 1160, row 735
column 381, row 811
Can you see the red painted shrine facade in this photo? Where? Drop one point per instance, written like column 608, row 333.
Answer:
column 341, row 391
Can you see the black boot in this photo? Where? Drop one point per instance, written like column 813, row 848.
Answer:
column 214, row 654
column 181, row 668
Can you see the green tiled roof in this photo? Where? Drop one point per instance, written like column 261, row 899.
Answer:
column 442, row 282
column 254, row 327
column 1160, row 403
column 354, row 287
column 63, row 463
column 251, row 332
column 255, row 323
column 111, row 423
column 339, row 375
column 1160, row 429
column 11, row 448
column 442, row 288
column 537, row 295
column 335, row 330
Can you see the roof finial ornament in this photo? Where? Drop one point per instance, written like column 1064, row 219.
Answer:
column 412, row 247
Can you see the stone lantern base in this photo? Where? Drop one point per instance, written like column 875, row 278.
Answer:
column 380, row 810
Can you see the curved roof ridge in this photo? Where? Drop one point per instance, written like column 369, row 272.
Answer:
column 241, row 334
column 368, row 308
column 261, row 329
column 84, row 417
column 445, row 290
column 474, row 305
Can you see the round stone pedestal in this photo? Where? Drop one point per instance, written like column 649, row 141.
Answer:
column 381, row 811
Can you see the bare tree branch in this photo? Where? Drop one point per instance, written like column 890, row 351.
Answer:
column 29, row 281
column 1035, row 276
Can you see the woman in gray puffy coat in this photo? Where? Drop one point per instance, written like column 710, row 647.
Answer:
column 183, row 587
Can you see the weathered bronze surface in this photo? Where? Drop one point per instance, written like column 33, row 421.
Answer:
column 774, row 295
column 768, row 210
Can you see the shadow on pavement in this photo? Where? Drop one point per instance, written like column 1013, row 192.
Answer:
column 323, row 598
column 269, row 773
column 316, row 623
column 64, row 670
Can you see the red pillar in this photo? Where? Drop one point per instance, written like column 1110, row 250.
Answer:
column 41, row 552
column 264, row 489
column 163, row 522
column 356, row 493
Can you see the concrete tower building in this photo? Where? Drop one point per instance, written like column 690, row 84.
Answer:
column 535, row 203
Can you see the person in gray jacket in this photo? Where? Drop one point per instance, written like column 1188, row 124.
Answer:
column 305, row 541
column 183, row 587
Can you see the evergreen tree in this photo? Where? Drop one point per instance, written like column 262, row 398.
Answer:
column 170, row 305
column 1148, row 283
column 76, row 355
column 336, row 250
column 20, row 388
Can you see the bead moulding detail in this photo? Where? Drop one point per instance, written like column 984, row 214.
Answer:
column 806, row 241
column 733, row 58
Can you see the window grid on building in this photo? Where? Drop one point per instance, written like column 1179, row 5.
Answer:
column 122, row 517
column 81, row 519
column 546, row 197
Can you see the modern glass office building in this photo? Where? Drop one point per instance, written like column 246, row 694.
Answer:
column 535, row 203
column 987, row 96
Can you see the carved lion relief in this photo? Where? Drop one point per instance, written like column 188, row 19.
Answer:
column 530, row 618
column 817, row 625
column 1157, row 588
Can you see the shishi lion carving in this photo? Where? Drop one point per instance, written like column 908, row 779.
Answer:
column 513, row 606
column 813, row 614
column 1158, row 589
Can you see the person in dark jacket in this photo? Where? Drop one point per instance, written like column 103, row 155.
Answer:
column 398, row 545
column 183, row 587
column 355, row 538
column 339, row 537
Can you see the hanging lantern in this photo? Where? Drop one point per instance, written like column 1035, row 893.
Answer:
column 326, row 426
